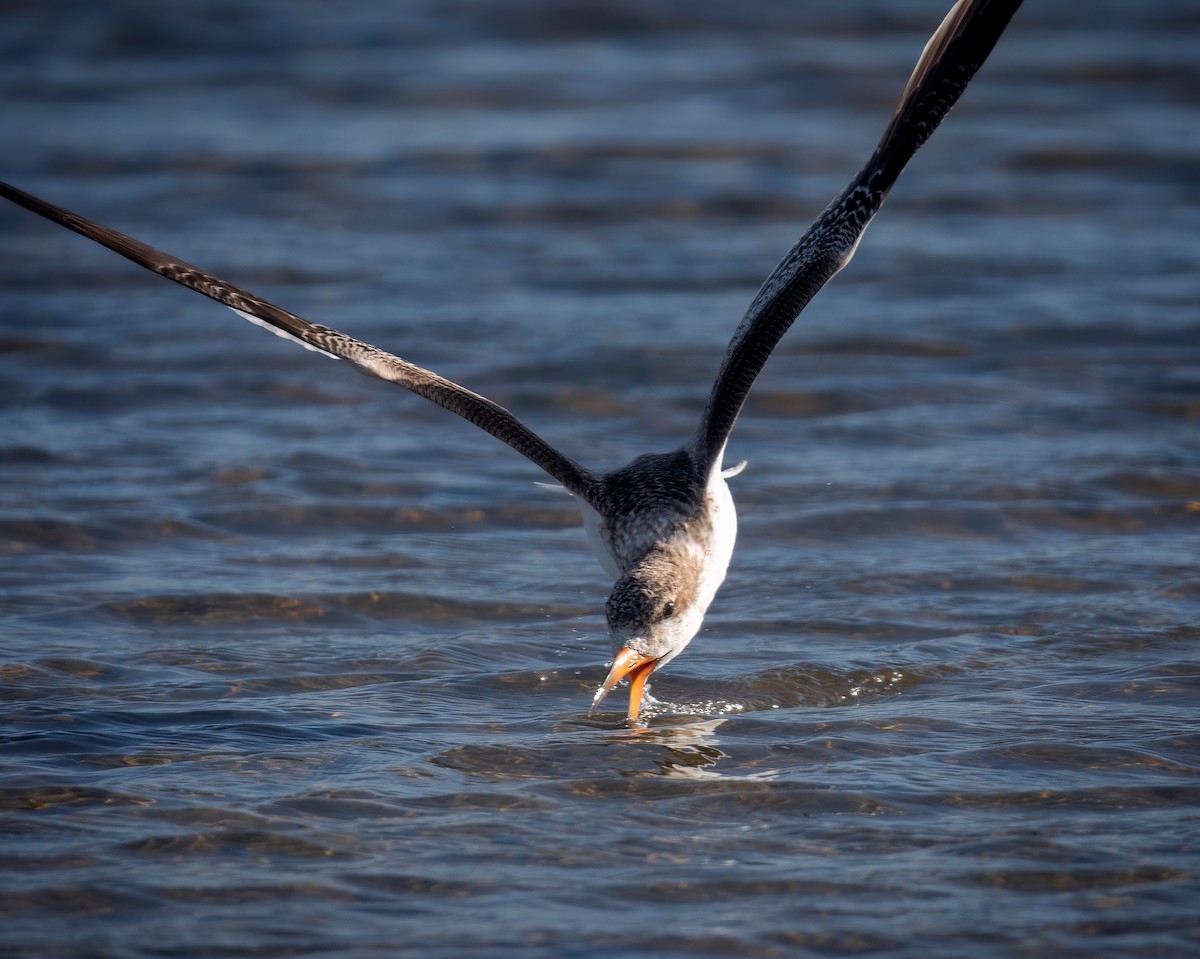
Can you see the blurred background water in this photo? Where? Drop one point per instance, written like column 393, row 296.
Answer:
column 296, row 664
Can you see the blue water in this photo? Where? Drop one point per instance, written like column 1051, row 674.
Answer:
column 295, row 664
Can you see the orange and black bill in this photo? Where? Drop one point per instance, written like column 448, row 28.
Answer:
column 634, row 665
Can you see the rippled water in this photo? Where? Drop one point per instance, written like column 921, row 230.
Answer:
column 295, row 664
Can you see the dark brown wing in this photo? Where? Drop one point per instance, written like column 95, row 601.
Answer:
column 481, row 411
column 951, row 58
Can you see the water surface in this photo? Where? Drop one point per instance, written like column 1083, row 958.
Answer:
column 296, row 664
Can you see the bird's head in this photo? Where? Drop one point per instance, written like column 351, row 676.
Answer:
column 653, row 613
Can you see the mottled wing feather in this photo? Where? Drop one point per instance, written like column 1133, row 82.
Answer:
column 368, row 359
column 951, row 58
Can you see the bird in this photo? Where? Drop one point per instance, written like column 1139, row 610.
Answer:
column 663, row 526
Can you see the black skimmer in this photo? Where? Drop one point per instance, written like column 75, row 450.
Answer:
column 664, row 526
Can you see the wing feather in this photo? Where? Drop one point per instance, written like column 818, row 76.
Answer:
column 368, row 359
column 951, row 58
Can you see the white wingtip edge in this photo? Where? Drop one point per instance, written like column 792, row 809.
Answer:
column 287, row 336
column 553, row 487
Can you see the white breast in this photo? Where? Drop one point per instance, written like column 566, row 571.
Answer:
column 723, row 518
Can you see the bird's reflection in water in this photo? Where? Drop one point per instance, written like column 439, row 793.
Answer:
column 690, row 749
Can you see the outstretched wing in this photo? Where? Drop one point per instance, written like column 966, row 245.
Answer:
column 952, row 56
column 481, row 411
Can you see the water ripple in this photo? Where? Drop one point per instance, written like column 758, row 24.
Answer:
column 295, row 664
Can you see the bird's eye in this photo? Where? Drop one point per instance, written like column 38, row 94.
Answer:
column 668, row 610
